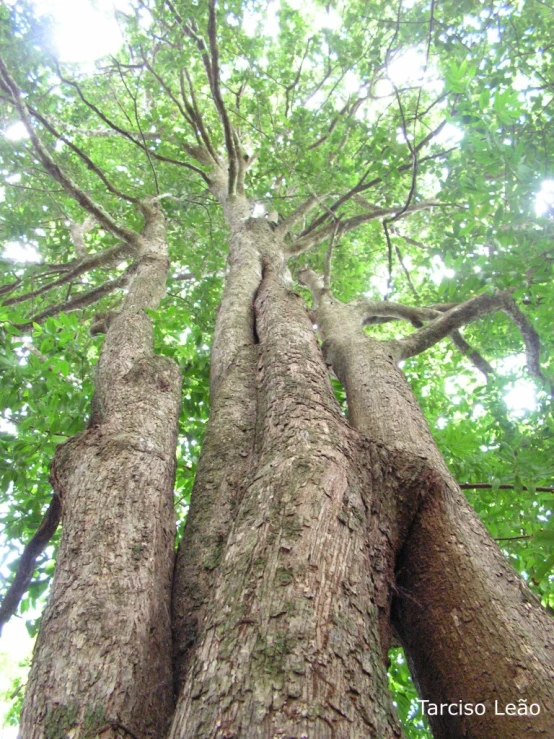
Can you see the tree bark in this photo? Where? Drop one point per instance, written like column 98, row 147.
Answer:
column 290, row 644
column 102, row 659
column 473, row 631
column 226, row 448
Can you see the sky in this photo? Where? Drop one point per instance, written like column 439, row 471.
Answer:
column 15, row 646
column 85, row 31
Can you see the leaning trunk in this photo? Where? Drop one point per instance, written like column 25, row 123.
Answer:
column 102, row 660
column 290, row 642
column 472, row 629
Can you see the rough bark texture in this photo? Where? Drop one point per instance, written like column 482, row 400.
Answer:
column 228, row 440
column 382, row 407
column 223, row 463
column 102, row 660
column 471, row 627
column 290, row 645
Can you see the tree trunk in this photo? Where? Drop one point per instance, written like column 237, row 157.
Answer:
column 226, row 448
column 290, row 643
column 102, row 659
column 473, row 631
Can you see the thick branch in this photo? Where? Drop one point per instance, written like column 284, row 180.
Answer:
column 369, row 310
column 27, row 562
column 453, row 319
column 472, row 354
column 529, row 335
column 313, row 238
column 363, row 185
column 314, row 283
column 329, row 257
column 78, row 232
column 211, row 64
column 463, row 313
column 373, row 312
column 297, row 215
column 204, row 152
column 232, row 152
column 199, row 121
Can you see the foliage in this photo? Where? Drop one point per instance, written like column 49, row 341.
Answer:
column 434, row 118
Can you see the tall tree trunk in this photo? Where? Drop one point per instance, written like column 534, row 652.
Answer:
column 227, row 444
column 290, row 644
column 473, row 631
column 102, row 658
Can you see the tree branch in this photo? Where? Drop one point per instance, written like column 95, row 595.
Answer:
column 27, row 561
column 369, row 310
column 130, row 136
column 232, row 152
column 80, row 301
column 204, row 152
column 530, row 338
column 489, row 486
column 329, row 257
column 453, row 319
column 82, row 155
column 55, row 170
column 307, row 240
column 104, row 259
column 297, row 215
column 472, row 354
column 211, row 64
column 78, row 232
column 199, row 121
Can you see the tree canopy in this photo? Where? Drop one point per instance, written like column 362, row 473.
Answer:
column 406, row 147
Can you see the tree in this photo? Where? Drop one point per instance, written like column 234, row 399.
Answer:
column 282, row 166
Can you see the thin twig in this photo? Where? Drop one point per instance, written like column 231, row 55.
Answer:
column 490, row 486
column 328, row 257
column 80, row 301
column 513, row 538
column 55, row 170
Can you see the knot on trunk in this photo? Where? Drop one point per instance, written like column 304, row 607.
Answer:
column 101, row 322
column 157, row 372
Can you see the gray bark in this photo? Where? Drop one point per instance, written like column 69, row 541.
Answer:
column 102, row 660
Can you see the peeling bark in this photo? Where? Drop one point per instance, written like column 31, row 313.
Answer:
column 102, row 658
